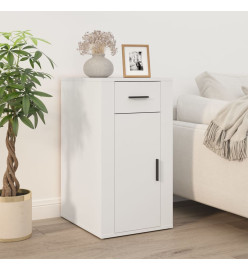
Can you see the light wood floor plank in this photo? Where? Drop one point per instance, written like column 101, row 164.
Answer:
column 199, row 232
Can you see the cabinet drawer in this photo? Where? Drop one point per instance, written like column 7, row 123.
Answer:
column 132, row 97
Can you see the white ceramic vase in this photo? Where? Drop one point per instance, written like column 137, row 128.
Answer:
column 16, row 217
column 98, row 66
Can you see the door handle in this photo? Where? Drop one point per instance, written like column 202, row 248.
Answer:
column 138, row 97
column 157, row 169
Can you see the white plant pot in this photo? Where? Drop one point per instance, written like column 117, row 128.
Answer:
column 98, row 66
column 16, row 217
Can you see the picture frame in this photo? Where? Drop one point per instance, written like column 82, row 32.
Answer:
column 136, row 61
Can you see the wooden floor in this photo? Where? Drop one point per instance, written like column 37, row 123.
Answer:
column 199, row 232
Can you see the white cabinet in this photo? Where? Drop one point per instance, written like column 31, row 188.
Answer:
column 116, row 163
column 137, row 191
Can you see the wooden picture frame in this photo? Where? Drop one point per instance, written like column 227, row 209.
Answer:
column 136, row 61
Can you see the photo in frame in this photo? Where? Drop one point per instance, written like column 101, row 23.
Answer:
column 136, row 61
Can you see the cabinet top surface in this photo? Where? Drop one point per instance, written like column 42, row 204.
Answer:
column 116, row 79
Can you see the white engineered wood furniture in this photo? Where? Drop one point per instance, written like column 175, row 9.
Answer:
column 116, row 160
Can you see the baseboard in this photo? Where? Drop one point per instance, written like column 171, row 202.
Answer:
column 50, row 208
column 47, row 208
column 178, row 198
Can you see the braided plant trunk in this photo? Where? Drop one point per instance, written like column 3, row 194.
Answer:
column 10, row 182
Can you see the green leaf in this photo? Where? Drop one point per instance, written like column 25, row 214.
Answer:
column 38, row 63
column 51, row 61
column 18, row 40
column 8, row 110
column 41, row 115
column 10, row 58
column 18, row 45
column 29, row 47
column 16, row 86
column 15, row 125
column 23, row 78
column 21, row 52
column 6, row 35
column 5, row 120
column 31, row 63
column 40, row 74
column 3, row 51
column 37, row 55
column 2, row 55
column 32, row 110
column 42, row 94
column 14, row 73
column 27, row 32
column 35, row 119
column 12, row 96
column 28, row 70
column 4, row 45
column 26, row 121
column 24, row 58
column 2, row 100
column 1, row 109
column 28, row 86
column 39, row 103
column 34, row 41
column 2, row 89
column 43, row 40
column 17, row 103
column 34, row 79
column 25, row 104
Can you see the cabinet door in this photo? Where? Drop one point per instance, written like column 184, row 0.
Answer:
column 137, row 193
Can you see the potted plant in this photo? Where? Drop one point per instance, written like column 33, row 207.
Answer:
column 95, row 44
column 19, row 103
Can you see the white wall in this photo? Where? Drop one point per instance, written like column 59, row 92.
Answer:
column 182, row 44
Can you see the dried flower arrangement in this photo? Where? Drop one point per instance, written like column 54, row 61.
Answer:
column 96, row 43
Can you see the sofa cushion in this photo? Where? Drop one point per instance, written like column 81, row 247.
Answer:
column 221, row 86
column 197, row 109
column 245, row 90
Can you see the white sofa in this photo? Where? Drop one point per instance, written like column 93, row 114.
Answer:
column 199, row 174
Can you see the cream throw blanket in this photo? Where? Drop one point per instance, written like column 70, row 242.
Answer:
column 227, row 133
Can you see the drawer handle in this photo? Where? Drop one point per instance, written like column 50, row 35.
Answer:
column 157, row 169
column 138, row 97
